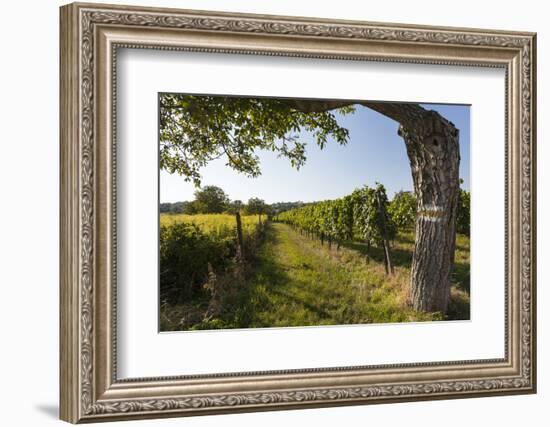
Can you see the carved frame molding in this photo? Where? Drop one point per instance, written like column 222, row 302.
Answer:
column 90, row 36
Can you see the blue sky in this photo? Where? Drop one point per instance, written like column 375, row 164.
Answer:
column 374, row 153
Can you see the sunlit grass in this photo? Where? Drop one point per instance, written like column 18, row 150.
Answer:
column 300, row 282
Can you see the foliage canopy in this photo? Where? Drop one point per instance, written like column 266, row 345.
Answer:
column 197, row 129
column 210, row 199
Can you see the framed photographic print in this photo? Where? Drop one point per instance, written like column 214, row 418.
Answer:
column 265, row 212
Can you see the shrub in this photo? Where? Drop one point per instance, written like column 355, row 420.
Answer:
column 185, row 253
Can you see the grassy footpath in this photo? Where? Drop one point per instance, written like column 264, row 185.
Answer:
column 299, row 282
column 295, row 281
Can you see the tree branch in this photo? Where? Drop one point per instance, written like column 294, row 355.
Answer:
column 406, row 114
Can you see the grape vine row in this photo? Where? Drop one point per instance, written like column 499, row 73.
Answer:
column 362, row 214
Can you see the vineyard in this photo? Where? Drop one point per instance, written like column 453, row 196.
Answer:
column 363, row 215
column 330, row 262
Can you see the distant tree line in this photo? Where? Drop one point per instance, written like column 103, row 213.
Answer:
column 280, row 207
column 213, row 199
column 175, row 208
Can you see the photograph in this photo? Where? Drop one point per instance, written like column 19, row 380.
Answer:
column 291, row 212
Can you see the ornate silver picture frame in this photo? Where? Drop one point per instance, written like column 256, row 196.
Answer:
column 91, row 35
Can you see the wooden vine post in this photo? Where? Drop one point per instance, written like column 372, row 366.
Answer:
column 240, row 244
column 384, row 233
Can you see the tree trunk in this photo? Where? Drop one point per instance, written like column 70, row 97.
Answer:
column 433, row 150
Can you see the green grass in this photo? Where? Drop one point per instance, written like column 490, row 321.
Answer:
column 299, row 282
column 296, row 281
column 402, row 252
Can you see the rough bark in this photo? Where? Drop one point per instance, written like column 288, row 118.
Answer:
column 433, row 150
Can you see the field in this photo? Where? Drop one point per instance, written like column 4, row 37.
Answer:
column 292, row 278
column 218, row 224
